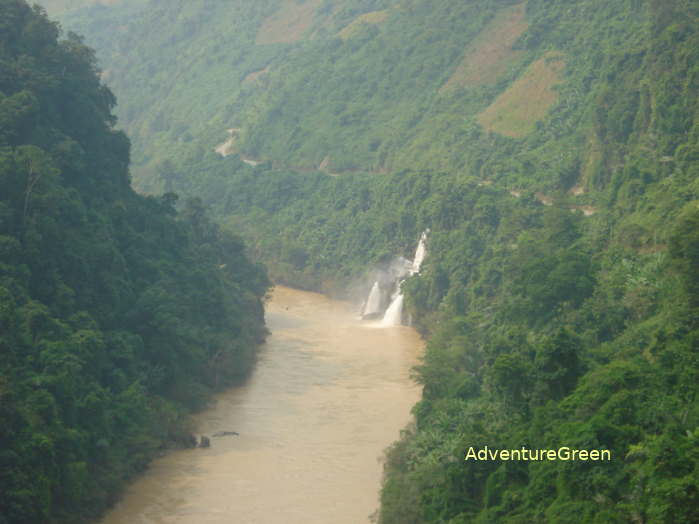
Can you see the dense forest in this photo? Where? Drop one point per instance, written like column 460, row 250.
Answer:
column 118, row 314
column 552, row 148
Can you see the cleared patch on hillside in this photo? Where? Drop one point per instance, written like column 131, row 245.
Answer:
column 546, row 200
column 228, row 147
column 289, row 23
column 490, row 53
column 255, row 75
column 374, row 17
column 516, row 111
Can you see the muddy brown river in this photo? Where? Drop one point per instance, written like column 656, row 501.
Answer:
column 328, row 395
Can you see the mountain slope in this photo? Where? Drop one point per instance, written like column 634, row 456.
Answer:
column 383, row 99
column 552, row 149
column 117, row 314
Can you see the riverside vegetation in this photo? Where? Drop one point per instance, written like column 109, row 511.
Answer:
column 552, row 148
column 118, row 314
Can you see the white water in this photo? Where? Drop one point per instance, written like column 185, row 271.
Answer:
column 420, row 253
column 400, row 268
column 327, row 396
column 373, row 303
column 394, row 313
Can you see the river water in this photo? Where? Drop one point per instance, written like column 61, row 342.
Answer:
column 328, row 395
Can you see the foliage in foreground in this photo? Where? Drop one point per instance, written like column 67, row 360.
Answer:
column 117, row 314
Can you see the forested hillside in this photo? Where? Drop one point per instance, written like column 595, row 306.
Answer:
column 553, row 150
column 118, row 315
column 60, row 7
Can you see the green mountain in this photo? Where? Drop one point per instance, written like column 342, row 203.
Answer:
column 551, row 148
column 61, row 7
column 118, row 315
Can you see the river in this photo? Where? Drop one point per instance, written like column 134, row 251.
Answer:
column 328, row 395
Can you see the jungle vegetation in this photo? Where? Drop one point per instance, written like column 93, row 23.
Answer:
column 118, row 314
column 552, row 148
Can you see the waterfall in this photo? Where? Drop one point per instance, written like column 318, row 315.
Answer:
column 400, row 269
column 420, row 253
column 373, row 303
column 394, row 313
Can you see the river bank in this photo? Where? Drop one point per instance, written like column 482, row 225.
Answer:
column 328, row 395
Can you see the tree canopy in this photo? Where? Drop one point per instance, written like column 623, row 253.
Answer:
column 118, row 315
